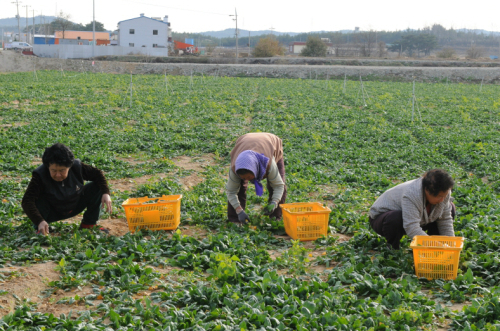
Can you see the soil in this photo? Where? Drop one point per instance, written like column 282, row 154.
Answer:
column 429, row 70
column 195, row 231
column 131, row 184
column 195, row 164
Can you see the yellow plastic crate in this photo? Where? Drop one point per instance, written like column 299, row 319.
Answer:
column 153, row 213
column 305, row 220
column 436, row 256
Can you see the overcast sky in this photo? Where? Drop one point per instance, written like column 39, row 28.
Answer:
column 289, row 16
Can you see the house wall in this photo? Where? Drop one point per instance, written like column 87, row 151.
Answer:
column 73, row 42
column 42, row 41
column 143, row 33
column 85, row 51
column 89, row 35
column 298, row 48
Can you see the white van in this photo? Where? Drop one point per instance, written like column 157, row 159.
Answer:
column 17, row 45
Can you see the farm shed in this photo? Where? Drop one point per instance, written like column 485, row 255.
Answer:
column 187, row 48
column 102, row 38
column 40, row 39
column 295, row 47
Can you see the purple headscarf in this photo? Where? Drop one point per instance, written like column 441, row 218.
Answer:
column 256, row 163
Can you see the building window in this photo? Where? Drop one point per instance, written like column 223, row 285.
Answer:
column 155, row 45
column 155, row 32
column 131, row 44
column 132, row 31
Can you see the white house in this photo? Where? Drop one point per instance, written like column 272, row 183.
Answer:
column 144, row 32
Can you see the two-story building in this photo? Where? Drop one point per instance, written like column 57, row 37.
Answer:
column 144, row 32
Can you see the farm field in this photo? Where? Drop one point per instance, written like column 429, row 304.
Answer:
column 172, row 135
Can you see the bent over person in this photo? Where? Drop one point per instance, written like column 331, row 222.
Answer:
column 418, row 207
column 57, row 190
column 256, row 156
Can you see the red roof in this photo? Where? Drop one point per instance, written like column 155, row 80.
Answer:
column 181, row 45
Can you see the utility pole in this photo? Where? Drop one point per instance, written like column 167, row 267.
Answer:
column 33, row 34
column 93, row 30
column 17, row 16
column 249, row 43
column 236, row 32
column 27, row 6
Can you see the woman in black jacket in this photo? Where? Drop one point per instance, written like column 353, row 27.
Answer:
column 57, row 190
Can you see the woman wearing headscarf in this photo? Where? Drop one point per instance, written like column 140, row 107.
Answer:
column 256, row 156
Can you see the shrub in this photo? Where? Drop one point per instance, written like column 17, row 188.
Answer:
column 446, row 53
column 314, row 47
column 267, row 47
column 475, row 52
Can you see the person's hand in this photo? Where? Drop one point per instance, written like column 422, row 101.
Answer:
column 242, row 216
column 43, row 228
column 270, row 208
column 106, row 202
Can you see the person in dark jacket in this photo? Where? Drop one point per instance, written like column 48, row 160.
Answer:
column 57, row 190
column 419, row 207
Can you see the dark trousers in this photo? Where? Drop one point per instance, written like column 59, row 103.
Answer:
column 390, row 226
column 90, row 199
column 242, row 196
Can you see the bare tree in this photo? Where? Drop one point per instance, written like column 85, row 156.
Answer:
column 63, row 22
column 475, row 52
column 366, row 41
column 211, row 47
column 446, row 53
column 381, row 49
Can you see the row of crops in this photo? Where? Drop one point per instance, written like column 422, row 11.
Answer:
column 338, row 150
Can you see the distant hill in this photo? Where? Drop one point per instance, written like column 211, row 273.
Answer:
column 480, row 31
column 228, row 33
column 10, row 24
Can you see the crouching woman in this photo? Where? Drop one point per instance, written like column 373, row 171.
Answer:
column 418, row 207
column 256, row 156
column 57, row 190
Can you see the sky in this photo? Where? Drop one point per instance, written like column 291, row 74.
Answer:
column 280, row 15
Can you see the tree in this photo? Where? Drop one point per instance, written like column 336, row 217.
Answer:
column 267, row 47
column 415, row 43
column 314, row 47
column 446, row 53
column 62, row 22
column 475, row 52
column 368, row 39
column 381, row 52
column 425, row 43
column 98, row 26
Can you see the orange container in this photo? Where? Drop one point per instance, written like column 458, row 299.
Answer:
column 436, row 256
column 305, row 220
column 153, row 213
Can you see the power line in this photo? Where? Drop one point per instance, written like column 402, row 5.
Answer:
column 191, row 10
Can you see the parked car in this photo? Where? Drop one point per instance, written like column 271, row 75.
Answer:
column 17, row 45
